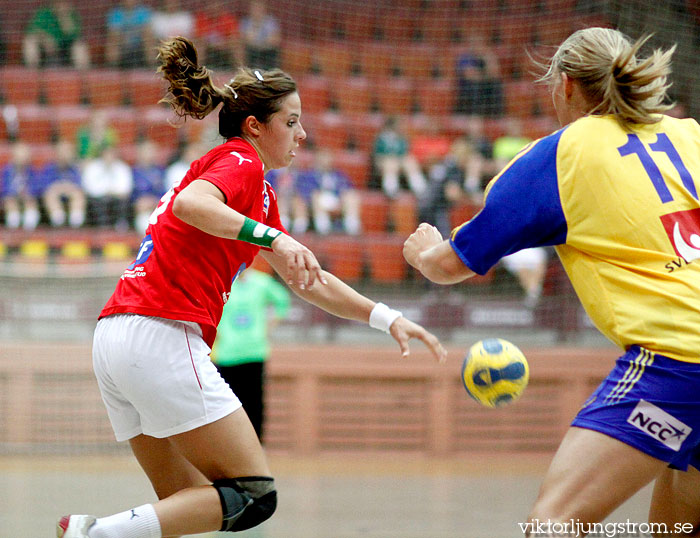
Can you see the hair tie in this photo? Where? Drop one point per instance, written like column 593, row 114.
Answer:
column 260, row 77
column 235, row 95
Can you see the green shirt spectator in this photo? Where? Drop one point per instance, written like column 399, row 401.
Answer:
column 242, row 345
column 243, row 331
column 54, row 37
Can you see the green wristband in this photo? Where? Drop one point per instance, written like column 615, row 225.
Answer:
column 257, row 233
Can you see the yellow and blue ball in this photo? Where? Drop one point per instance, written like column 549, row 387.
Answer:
column 495, row 372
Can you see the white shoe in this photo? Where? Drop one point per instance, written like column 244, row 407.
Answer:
column 74, row 526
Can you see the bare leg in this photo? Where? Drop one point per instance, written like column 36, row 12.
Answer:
column 227, row 448
column 676, row 500
column 591, row 475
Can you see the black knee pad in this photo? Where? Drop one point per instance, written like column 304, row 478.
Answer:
column 246, row 501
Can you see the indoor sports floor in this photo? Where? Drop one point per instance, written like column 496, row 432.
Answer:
column 328, row 497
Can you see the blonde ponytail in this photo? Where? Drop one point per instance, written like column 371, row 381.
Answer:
column 614, row 79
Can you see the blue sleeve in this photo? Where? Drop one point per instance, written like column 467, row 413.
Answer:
column 522, row 210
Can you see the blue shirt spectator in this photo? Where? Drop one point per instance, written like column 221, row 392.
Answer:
column 19, row 189
column 129, row 35
column 148, row 184
column 61, row 184
column 330, row 193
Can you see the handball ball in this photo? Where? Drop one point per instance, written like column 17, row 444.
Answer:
column 495, row 372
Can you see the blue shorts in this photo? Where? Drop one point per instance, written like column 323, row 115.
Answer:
column 652, row 403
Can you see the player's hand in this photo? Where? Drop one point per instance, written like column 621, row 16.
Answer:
column 303, row 269
column 425, row 237
column 404, row 329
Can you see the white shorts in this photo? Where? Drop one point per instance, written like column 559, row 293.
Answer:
column 156, row 377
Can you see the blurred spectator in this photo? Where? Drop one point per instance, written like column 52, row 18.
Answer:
column 294, row 209
column 63, row 191
column 92, row 138
column 452, row 180
column 242, row 346
column 108, row 182
column 20, row 189
column 129, row 37
column 171, row 21
column 216, row 32
column 330, row 194
column 508, row 145
column 528, row 265
column 392, row 158
column 54, row 37
column 429, row 146
column 479, row 86
column 149, row 184
column 474, row 131
column 176, row 170
column 261, row 36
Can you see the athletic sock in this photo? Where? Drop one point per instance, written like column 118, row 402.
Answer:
column 141, row 522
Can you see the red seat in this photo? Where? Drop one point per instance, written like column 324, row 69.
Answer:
column 342, row 256
column 520, row 98
column 385, row 259
column 461, row 213
column 362, row 130
column 329, row 131
column 374, row 211
column 145, row 88
column 157, row 126
column 395, row 95
column 360, row 24
column 63, row 86
column 128, row 126
column 397, row 26
column 315, row 93
column 297, row 57
column 404, row 214
column 353, row 95
column 436, row 97
column 515, row 30
column 437, row 27
column 335, row 59
column 355, row 164
column 35, row 124
column 20, row 85
column 104, row 87
column 69, row 119
column 417, row 61
column 538, row 127
column 42, row 154
column 377, row 60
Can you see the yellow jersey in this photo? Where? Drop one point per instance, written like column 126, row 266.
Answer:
column 621, row 208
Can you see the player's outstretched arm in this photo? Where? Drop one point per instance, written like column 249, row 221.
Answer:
column 201, row 204
column 339, row 299
column 434, row 257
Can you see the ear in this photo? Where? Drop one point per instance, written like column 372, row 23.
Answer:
column 568, row 84
column 252, row 125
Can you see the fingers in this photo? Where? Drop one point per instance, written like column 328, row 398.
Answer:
column 434, row 345
column 403, row 330
column 303, row 269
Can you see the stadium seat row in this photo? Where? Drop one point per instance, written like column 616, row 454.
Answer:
column 98, row 87
column 345, row 93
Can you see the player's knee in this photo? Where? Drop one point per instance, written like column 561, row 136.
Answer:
column 246, row 501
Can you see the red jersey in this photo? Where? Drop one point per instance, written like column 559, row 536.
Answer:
column 183, row 273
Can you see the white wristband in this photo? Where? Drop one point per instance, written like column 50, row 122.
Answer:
column 382, row 317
